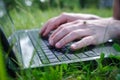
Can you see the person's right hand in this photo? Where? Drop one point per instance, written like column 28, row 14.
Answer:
column 55, row 22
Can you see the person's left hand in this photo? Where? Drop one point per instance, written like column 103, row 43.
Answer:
column 89, row 32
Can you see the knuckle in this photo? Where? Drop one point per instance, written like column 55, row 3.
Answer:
column 63, row 14
column 65, row 29
column 61, row 27
column 74, row 33
column 93, row 41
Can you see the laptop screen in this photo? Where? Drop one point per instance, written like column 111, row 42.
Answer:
column 5, row 21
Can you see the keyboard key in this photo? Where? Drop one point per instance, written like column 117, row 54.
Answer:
column 41, row 54
column 45, row 48
column 71, row 56
column 61, row 56
column 57, row 53
column 81, row 55
column 43, row 57
column 90, row 53
column 51, row 56
column 43, row 44
column 48, row 54
column 47, row 51
column 45, row 61
column 53, row 60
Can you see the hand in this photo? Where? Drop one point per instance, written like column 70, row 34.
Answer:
column 62, row 19
column 91, row 32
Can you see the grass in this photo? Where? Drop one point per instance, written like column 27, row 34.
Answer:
column 28, row 18
column 2, row 67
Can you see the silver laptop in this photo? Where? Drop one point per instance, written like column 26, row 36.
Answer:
column 26, row 49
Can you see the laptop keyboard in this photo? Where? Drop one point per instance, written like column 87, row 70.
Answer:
column 49, row 55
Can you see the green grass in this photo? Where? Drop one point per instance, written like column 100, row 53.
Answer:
column 2, row 66
column 26, row 18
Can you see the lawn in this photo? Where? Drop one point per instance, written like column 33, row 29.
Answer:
column 28, row 18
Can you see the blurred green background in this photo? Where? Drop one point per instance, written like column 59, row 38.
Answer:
column 37, row 12
column 45, row 4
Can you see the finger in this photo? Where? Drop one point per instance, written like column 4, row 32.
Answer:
column 60, row 34
column 77, row 24
column 55, row 23
column 45, row 26
column 83, row 43
column 59, row 28
column 77, row 34
column 63, row 30
column 71, row 26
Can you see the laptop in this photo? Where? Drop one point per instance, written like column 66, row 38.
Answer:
column 26, row 49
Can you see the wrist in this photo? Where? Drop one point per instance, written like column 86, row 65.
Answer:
column 115, row 28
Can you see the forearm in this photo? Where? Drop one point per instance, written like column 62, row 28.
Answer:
column 116, row 10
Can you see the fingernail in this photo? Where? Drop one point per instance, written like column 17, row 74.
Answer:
column 51, row 42
column 73, row 46
column 58, row 45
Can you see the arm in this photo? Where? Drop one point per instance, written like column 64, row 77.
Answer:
column 69, row 27
column 116, row 9
column 92, row 33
